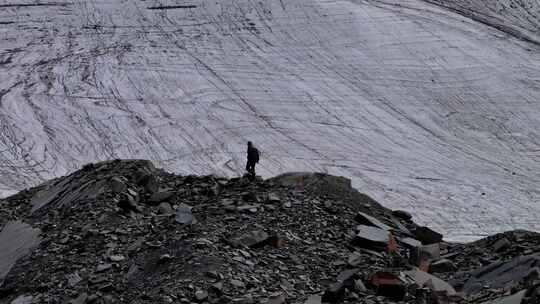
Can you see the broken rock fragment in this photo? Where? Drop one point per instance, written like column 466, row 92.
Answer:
column 277, row 298
column 501, row 245
column 184, row 215
column 81, row 299
column 401, row 214
column 355, row 259
column 390, row 284
column 442, row 266
column 253, row 239
column 237, row 283
column 336, row 292
column 116, row 258
column 149, row 183
column 273, row 198
column 410, row 242
column 17, row 239
column 160, row 196
column 516, row 298
column 502, row 275
column 103, row 267
column 367, row 220
column 371, row 237
column 165, row 209
column 427, row 236
column 201, row 295
column 118, row 184
column 129, row 203
column 314, row 299
column 424, row 254
column 73, row 279
column 23, row 300
column 422, row 279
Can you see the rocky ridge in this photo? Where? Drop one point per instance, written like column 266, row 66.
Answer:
column 125, row 232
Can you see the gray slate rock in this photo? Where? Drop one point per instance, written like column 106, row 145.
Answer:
column 117, row 258
column 17, row 239
column 81, row 299
column 129, row 203
column 103, row 267
column 160, row 196
column 355, row 258
column 73, row 279
column 422, row 278
column 184, row 215
column 371, row 237
column 424, row 253
column 336, row 292
column 314, row 299
column 410, row 242
column 149, row 183
column 442, row 266
column 117, row 184
column 277, row 298
column 427, row 236
column 516, row 298
column 502, row 275
column 501, row 245
column 273, row 198
column 23, row 300
column 237, row 283
column 367, row 220
column 165, row 209
column 404, row 215
column 66, row 191
column 253, row 239
column 201, row 295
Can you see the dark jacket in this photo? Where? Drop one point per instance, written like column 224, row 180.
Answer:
column 253, row 155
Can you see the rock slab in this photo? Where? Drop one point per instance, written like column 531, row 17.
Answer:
column 17, row 239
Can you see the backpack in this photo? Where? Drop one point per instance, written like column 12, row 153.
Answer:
column 256, row 153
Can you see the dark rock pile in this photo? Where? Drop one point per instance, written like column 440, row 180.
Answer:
column 126, row 232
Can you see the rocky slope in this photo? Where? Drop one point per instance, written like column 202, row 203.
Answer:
column 422, row 107
column 125, row 232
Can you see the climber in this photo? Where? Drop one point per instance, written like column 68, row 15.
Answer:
column 252, row 158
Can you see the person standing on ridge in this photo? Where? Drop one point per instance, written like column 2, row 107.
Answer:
column 252, row 158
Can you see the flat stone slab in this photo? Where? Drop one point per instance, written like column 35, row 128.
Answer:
column 421, row 278
column 516, row 298
column 371, row 237
column 17, row 239
column 67, row 191
column 368, row 220
column 501, row 275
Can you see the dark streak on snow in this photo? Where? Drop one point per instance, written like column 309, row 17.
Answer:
column 166, row 7
column 34, row 4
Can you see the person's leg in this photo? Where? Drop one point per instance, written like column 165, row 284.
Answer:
column 251, row 168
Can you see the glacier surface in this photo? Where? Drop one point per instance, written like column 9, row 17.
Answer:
column 424, row 107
